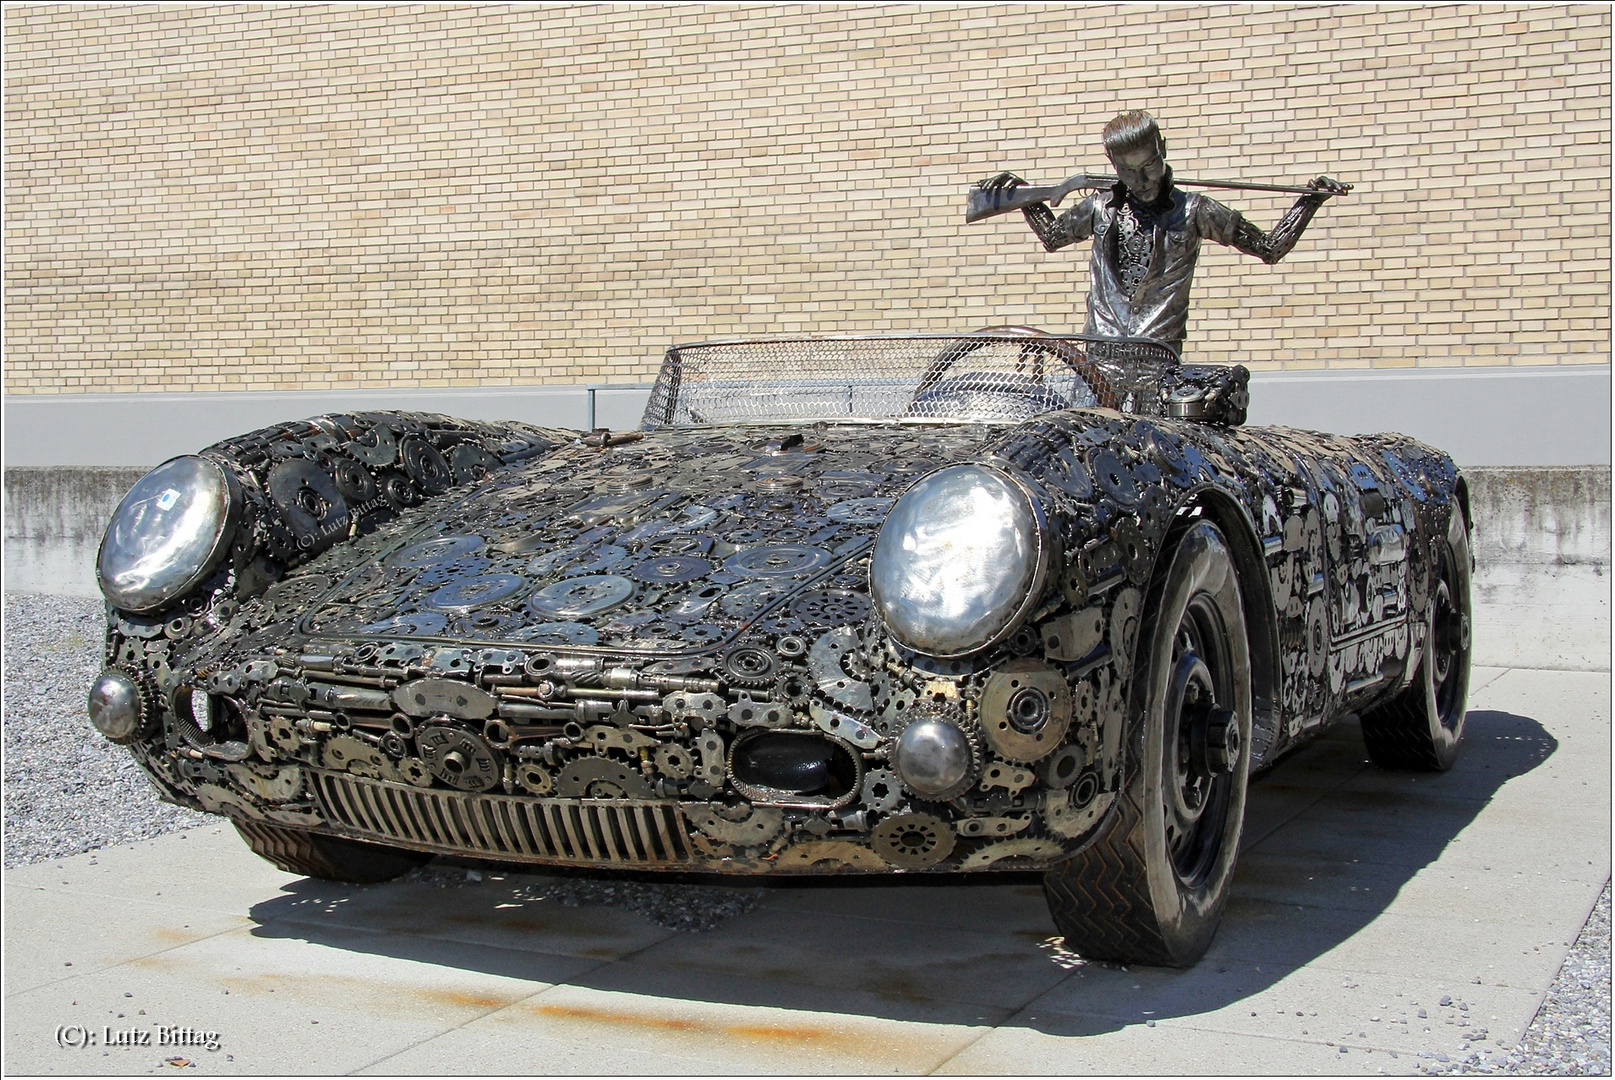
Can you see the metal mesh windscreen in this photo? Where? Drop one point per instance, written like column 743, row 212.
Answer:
column 1004, row 376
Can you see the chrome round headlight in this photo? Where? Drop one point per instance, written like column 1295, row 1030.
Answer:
column 168, row 533
column 960, row 559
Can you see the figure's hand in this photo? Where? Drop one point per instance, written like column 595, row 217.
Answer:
column 1004, row 181
column 1328, row 186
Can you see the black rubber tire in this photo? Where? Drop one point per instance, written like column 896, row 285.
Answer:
column 1419, row 729
column 331, row 858
column 1125, row 898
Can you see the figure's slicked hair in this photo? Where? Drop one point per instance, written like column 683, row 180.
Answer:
column 1132, row 130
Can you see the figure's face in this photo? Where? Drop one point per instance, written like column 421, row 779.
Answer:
column 1142, row 171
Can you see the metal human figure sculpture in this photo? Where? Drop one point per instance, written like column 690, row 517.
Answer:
column 1146, row 231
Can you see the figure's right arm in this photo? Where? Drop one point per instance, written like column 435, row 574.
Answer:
column 1063, row 231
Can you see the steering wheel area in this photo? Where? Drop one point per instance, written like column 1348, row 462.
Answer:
column 1028, row 380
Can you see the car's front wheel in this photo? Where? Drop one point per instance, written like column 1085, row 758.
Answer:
column 332, row 858
column 1152, row 888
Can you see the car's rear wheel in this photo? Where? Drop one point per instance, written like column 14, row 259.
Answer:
column 1421, row 726
column 333, row 858
column 1152, row 888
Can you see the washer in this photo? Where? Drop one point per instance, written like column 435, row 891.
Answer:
column 777, row 560
column 581, row 596
column 468, row 594
column 671, row 569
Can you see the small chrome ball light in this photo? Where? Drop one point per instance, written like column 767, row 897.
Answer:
column 960, row 559
column 168, row 533
column 117, row 708
column 933, row 757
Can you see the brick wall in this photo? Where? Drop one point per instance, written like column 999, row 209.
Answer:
column 225, row 198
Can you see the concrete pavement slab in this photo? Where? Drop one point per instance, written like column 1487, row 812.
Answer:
column 504, row 912
column 622, row 1031
column 72, row 934
column 891, row 959
column 1359, row 894
column 1016, row 901
column 182, row 869
column 278, row 1006
column 1310, row 1003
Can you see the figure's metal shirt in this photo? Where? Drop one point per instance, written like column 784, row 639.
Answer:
column 1144, row 256
column 1150, row 301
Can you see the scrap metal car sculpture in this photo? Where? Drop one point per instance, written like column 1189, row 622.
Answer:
column 889, row 604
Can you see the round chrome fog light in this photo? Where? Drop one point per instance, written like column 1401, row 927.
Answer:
column 934, row 758
column 117, row 707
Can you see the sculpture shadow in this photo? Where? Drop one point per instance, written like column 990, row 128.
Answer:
column 1329, row 842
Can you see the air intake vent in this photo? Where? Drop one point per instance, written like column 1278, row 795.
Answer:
column 618, row 832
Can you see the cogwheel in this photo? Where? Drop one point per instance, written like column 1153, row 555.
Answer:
column 913, row 841
column 414, row 771
column 344, row 753
column 1025, row 710
column 674, row 761
column 145, row 699
column 749, row 667
column 534, row 778
column 792, row 686
column 882, row 790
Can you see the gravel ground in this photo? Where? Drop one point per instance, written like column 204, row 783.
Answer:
column 68, row 790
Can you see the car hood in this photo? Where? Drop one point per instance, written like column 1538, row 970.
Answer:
column 673, row 541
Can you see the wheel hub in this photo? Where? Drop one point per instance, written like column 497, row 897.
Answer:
column 1190, row 701
column 1221, row 741
column 1450, row 632
column 1029, row 710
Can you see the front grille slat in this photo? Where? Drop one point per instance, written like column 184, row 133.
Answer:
column 554, row 817
column 606, row 828
column 442, row 813
column 543, row 839
column 656, row 838
column 614, row 832
column 401, row 814
column 674, row 839
column 493, row 816
column 375, row 812
column 578, row 830
column 638, row 836
column 502, row 818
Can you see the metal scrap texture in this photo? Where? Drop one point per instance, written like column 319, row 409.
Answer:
column 498, row 639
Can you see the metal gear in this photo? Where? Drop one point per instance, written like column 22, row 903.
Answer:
column 831, row 607
column 777, row 560
column 458, row 757
column 440, row 549
column 913, row 841
column 468, row 594
column 882, row 790
column 674, row 761
column 576, row 597
column 671, row 569
column 749, row 667
column 1025, row 710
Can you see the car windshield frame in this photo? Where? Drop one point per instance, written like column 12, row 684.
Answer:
column 992, row 376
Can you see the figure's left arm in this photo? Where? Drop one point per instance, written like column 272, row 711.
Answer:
column 1229, row 227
